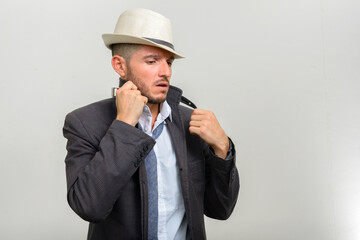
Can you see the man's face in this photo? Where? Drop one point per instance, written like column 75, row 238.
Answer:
column 150, row 70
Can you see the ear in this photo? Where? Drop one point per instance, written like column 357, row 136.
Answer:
column 119, row 65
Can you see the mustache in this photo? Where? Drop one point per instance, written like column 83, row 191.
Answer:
column 164, row 79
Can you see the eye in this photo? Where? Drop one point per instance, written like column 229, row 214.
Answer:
column 169, row 63
column 150, row 61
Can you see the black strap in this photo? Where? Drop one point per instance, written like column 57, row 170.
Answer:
column 187, row 102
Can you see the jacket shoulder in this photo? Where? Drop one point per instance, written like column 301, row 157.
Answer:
column 95, row 117
column 96, row 110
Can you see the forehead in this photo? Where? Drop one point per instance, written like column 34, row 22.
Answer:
column 146, row 50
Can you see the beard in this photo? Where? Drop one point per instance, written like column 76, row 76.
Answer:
column 145, row 91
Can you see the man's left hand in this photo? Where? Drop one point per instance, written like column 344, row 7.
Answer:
column 204, row 124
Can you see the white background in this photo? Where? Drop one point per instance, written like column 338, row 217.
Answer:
column 282, row 76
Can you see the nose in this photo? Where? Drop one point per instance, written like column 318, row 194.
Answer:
column 165, row 69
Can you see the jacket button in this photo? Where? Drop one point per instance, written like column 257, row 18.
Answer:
column 145, row 148
column 137, row 162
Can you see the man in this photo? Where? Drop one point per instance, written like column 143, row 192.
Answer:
column 140, row 165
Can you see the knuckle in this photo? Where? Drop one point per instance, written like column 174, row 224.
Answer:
column 206, row 124
column 119, row 91
column 203, row 129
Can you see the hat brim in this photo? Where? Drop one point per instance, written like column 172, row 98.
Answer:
column 110, row 39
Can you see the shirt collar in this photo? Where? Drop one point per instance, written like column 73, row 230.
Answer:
column 165, row 111
column 145, row 117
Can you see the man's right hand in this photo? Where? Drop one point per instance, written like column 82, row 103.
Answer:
column 129, row 103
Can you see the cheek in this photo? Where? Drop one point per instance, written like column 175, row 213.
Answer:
column 146, row 72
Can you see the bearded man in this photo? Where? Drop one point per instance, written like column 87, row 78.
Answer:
column 140, row 165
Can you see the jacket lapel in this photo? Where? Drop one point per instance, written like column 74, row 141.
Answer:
column 178, row 138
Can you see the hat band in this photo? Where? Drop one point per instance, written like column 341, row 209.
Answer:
column 158, row 41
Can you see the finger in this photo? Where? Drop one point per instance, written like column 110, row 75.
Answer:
column 145, row 100
column 195, row 117
column 129, row 85
column 199, row 111
column 194, row 130
column 131, row 93
column 195, row 123
column 137, row 92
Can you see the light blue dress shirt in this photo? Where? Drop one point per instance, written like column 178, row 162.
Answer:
column 172, row 223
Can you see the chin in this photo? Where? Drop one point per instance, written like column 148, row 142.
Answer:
column 156, row 100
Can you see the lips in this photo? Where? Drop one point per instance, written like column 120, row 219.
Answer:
column 163, row 84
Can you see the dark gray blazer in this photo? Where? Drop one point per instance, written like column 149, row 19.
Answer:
column 106, row 178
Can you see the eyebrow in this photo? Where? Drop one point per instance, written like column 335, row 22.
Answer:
column 157, row 56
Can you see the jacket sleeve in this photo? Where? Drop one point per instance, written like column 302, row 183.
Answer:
column 97, row 171
column 222, row 184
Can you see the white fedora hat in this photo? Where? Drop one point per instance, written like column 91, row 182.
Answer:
column 142, row 26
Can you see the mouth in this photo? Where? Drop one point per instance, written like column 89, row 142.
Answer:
column 162, row 84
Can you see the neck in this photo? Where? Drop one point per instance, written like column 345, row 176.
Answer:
column 154, row 109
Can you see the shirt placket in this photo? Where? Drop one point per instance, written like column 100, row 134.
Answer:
column 161, row 204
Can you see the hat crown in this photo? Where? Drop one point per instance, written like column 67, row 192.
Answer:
column 142, row 26
column 144, row 23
